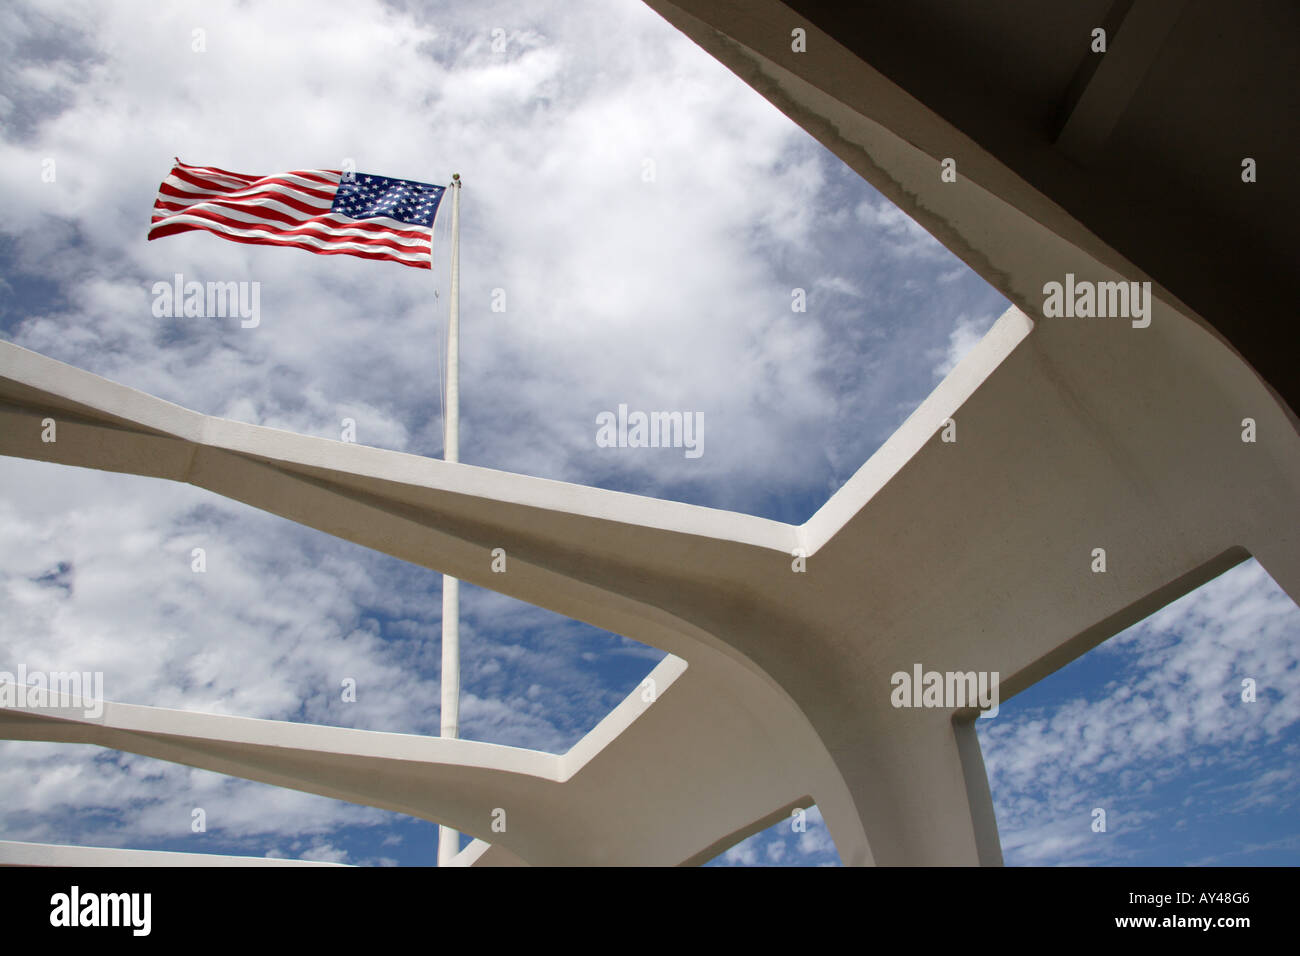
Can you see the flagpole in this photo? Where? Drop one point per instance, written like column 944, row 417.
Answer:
column 449, row 839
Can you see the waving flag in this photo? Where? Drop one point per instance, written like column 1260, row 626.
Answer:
column 319, row 210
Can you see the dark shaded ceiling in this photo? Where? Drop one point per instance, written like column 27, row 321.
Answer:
column 1143, row 145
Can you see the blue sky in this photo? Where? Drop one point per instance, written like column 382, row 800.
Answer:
column 670, row 291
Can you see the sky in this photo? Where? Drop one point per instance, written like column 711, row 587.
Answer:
column 646, row 219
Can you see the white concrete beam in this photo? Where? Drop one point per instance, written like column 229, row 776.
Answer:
column 13, row 853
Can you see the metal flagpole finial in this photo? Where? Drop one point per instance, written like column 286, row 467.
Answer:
column 455, row 179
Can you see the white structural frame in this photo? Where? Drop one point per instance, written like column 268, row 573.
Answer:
column 969, row 555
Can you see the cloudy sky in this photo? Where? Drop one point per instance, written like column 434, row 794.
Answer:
column 647, row 218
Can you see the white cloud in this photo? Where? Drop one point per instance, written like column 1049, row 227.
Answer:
column 965, row 335
column 1175, row 713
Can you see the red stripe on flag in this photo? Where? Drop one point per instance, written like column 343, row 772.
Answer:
column 173, row 229
column 266, row 212
column 308, row 228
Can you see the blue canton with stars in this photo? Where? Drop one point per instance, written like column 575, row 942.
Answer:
column 363, row 196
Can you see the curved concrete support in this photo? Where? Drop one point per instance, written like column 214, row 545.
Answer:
column 787, row 696
column 614, row 798
column 887, row 88
column 613, row 560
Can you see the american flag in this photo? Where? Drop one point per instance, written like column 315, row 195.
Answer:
column 321, row 210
